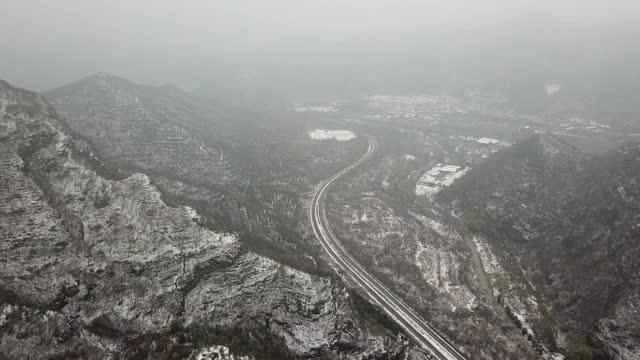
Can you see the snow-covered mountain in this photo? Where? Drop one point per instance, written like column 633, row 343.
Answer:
column 96, row 264
column 569, row 225
column 241, row 170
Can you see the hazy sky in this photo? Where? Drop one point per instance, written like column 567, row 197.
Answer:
column 47, row 43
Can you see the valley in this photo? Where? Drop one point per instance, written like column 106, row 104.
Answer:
column 423, row 271
column 334, row 180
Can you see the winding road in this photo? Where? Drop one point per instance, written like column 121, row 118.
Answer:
column 423, row 333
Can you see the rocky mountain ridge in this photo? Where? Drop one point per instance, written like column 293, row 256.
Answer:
column 96, row 265
column 240, row 170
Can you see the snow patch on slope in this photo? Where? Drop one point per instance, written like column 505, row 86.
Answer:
column 339, row 135
column 321, row 109
column 552, row 88
column 489, row 261
column 219, row 352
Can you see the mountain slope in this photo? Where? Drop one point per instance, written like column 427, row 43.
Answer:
column 95, row 265
column 242, row 171
column 127, row 121
column 571, row 223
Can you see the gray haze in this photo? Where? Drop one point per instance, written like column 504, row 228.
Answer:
column 45, row 44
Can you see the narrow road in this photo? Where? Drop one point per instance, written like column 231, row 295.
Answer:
column 423, row 333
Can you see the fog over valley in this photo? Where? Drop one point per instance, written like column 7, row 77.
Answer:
column 284, row 179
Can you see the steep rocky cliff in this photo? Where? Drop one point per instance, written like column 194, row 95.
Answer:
column 96, row 265
column 240, row 170
column 570, row 224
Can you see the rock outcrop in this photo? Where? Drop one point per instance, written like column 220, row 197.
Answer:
column 96, row 265
column 240, row 170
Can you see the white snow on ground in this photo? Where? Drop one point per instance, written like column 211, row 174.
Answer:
column 453, row 177
column 487, row 141
column 553, row 356
column 449, row 168
column 523, row 312
column 427, row 178
column 441, row 268
column 428, row 184
column 315, row 108
column 422, row 189
column 439, row 228
column 462, row 297
column 437, row 268
column 5, row 312
column 434, row 172
column 552, row 88
column 489, row 261
column 191, row 212
column 339, row 135
column 525, row 323
column 599, row 125
column 387, row 101
column 578, row 120
column 219, row 352
column 409, row 157
column 436, row 226
column 3, row 106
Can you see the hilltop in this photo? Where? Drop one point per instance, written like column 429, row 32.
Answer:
column 569, row 223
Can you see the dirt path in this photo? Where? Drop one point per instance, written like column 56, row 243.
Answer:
column 481, row 275
column 483, row 278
